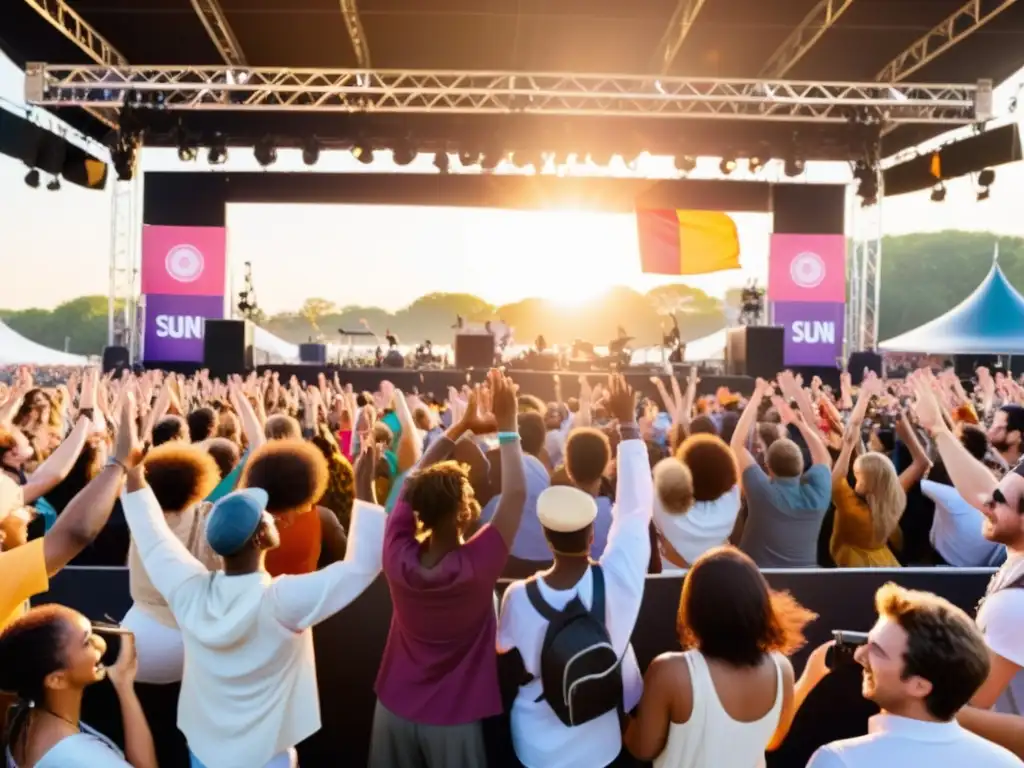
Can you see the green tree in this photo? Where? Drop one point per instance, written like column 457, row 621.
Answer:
column 313, row 309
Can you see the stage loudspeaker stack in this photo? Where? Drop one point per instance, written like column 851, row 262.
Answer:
column 474, row 350
column 859, row 361
column 755, row 351
column 313, row 353
column 393, row 359
column 228, row 347
column 115, row 359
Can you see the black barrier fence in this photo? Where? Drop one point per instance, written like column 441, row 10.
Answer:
column 350, row 644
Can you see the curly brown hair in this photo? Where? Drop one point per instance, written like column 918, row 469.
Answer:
column 441, row 492
column 341, row 486
column 940, row 638
column 728, row 611
column 712, row 465
column 293, row 473
column 180, row 475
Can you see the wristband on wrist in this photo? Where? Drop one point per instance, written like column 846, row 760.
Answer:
column 508, row 437
column 112, row 462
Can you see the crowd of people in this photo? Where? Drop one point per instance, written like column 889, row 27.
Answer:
column 248, row 511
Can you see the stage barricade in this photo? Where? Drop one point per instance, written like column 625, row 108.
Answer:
column 350, row 644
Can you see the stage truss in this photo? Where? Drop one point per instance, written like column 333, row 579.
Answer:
column 420, row 91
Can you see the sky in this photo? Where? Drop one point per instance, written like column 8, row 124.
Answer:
column 367, row 258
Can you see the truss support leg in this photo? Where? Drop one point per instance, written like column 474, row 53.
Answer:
column 125, row 235
column 866, row 277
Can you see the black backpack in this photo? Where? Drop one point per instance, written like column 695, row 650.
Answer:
column 579, row 669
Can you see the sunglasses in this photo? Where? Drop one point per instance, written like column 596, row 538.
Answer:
column 997, row 498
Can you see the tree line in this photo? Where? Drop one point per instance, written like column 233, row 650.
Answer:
column 923, row 275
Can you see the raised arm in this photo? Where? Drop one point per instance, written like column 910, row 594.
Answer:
column 88, row 512
column 851, row 435
column 920, row 463
column 300, row 602
column 970, row 477
column 254, row 432
column 509, row 513
column 741, row 435
column 52, row 471
column 812, row 437
column 410, row 447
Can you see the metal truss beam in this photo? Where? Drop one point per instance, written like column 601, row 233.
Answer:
column 676, row 32
column 220, row 31
column 69, row 23
column 354, row 26
column 962, row 23
column 815, row 24
column 419, row 91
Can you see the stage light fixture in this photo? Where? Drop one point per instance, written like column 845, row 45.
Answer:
column 938, row 193
column 867, row 178
column 467, row 158
column 403, row 154
column 755, row 164
column 187, row 148
column 363, row 153
column 442, row 161
column 311, row 151
column 685, row 163
column 489, row 161
column 727, row 164
column 217, row 154
column 265, row 152
column 793, row 166
column 125, row 155
column 53, row 184
column 32, row 178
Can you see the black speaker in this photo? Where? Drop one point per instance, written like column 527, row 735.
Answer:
column 228, row 347
column 474, row 350
column 755, row 351
column 115, row 359
column 861, row 360
column 313, row 353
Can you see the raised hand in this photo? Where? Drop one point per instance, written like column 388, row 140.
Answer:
column 129, row 450
column 505, row 401
column 621, row 400
column 365, row 470
column 123, row 673
column 476, row 419
column 785, row 412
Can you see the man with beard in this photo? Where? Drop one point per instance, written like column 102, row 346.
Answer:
column 1001, row 615
column 1007, row 433
column 907, row 659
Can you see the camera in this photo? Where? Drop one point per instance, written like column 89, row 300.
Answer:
column 846, row 644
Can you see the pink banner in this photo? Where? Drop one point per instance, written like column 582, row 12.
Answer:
column 184, row 261
column 807, row 268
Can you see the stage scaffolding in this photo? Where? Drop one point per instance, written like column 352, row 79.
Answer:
column 277, row 89
column 241, row 89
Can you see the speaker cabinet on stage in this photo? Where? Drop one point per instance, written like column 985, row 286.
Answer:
column 313, row 353
column 228, row 347
column 115, row 359
column 474, row 350
column 861, row 360
column 754, row 351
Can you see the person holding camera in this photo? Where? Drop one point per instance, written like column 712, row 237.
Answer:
column 922, row 662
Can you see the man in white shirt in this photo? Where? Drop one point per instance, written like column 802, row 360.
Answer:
column 923, row 661
column 249, row 692
column 540, row 738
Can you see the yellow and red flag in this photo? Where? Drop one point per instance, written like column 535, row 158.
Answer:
column 675, row 242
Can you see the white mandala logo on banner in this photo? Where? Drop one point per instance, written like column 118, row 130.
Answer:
column 184, row 263
column 807, row 270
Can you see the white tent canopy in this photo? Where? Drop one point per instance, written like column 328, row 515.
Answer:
column 15, row 349
column 273, row 349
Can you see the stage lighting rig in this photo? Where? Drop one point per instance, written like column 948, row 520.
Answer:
column 938, row 193
column 187, row 146
column 363, row 152
column 442, row 161
column 265, row 152
column 32, row 178
column 867, row 177
column 53, row 184
column 467, row 158
column 755, row 164
column 217, row 154
column 793, row 166
column 751, row 304
column 985, row 181
column 685, row 163
column 311, row 151
column 727, row 164
column 489, row 161
column 403, row 153
column 247, row 305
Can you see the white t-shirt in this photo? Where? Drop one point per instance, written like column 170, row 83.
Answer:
column 896, row 742
column 541, row 740
column 956, row 530
column 88, row 749
column 1001, row 618
column 706, row 525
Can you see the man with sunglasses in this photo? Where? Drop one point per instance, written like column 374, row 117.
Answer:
column 1001, row 613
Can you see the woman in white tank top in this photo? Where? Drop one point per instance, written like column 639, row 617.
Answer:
column 729, row 697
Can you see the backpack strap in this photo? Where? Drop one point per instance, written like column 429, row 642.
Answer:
column 597, row 609
column 538, row 602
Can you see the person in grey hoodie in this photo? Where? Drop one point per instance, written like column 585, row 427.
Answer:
column 248, row 692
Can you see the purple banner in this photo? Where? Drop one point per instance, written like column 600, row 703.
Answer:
column 814, row 331
column 175, row 324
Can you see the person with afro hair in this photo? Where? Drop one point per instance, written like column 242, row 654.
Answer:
column 181, row 476
column 295, row 475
